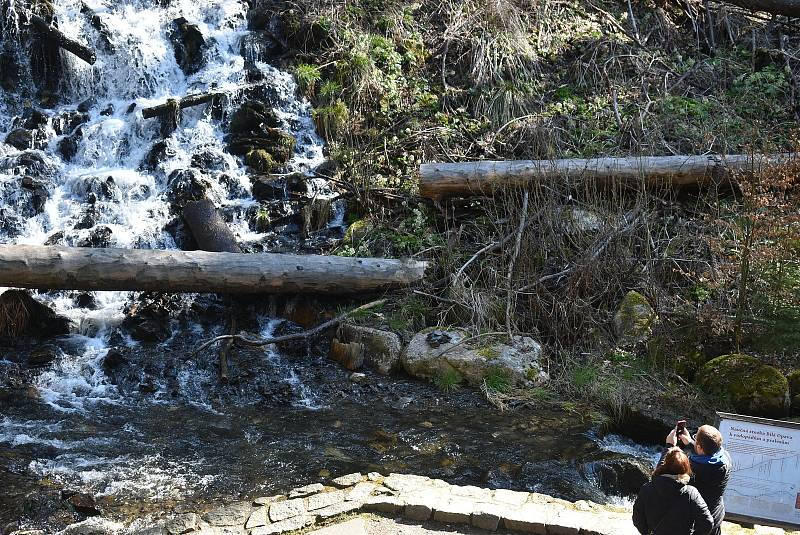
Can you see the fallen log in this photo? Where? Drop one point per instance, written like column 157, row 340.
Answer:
column 208, row 228
column 790, row 8
column 442, row 180
column 77, row 268
column 70, row 45
column 185, row 102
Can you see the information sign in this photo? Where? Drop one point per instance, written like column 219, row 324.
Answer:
column 765, row 475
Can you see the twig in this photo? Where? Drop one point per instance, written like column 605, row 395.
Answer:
column 510, row 298
column 633, row 22
column 223, row 353
column 261, row 342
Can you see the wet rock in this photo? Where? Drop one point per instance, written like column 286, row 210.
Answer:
column 68, row 145
column 148, row 319
column 634, row 319
column 618, row 475
column 185, row 185
column 161, row 151
column 751, row 386
column 99, row 238
column 43, row 355
column 102, row 188
column 21, row 139
column 268, row 187
column 87, row 104
column 22, row 315
column 87, row 220
column 189, row 45
column 83, row 503
column 252, row 117
column 381, row 348
column 113, row 362
column 56, row 238
column 209, row 161
column 34, row 196
column 184, row 239
column 86, row 300
column 517, row 363
column 294, row 348
column 349, row 355
column 107, row 111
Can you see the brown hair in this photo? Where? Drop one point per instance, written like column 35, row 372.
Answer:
column 709, row 438
column 675, row 463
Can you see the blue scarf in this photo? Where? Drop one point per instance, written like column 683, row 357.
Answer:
column 720, row 457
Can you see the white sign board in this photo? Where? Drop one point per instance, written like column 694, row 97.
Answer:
column 765, row 476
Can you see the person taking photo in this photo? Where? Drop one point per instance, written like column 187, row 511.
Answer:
column 711, row 467
column 668, row 504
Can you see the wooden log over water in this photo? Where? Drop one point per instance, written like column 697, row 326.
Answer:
column 442, row 180
column 76, row 268
column 208, row 228
column 185, row 102
column 67, row 43
column 790, row 8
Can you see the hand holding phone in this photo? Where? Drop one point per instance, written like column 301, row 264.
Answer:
column 681, row 426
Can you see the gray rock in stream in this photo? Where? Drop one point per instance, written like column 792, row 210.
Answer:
column 381, row 348
column 431, row 357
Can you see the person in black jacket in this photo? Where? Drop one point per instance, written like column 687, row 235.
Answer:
column 711, row 468
column 667, row 504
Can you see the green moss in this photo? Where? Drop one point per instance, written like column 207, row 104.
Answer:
column 357, row 231
column 634, row 318
column 751, row 386
column 261, row 160
column 489, row 352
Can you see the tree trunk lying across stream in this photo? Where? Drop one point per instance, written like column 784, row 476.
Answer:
column 790, row 8
column 76, row 268
column 67, row 43
column 442, row 180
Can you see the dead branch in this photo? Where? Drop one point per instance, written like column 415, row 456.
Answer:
column 304, row 335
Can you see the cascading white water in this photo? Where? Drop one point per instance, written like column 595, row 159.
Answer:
column 138, row 70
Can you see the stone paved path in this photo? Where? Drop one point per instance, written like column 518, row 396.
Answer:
column 411, row 505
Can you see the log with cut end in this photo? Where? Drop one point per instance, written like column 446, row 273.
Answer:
column 67, row 43
column 208, row 228
column 790, row 8
column 76, row 268
column 442, row 180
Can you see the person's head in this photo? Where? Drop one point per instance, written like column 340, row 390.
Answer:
column 674, row 463
column 708, row 440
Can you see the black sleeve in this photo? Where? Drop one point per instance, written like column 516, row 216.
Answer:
column 703, row 521
column 639, row 517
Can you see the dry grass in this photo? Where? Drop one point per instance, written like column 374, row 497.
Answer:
column 15, row 313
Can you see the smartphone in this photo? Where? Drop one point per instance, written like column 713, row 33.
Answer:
column 681, row 426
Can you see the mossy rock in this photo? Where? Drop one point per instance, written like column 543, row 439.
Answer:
column 634, row 319
column 261, row 160
column 357, row 231
column 794, row 382
column 679, row 344
column 751, row 386
column 252, row 116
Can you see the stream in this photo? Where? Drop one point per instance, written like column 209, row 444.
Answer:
column 143, row 425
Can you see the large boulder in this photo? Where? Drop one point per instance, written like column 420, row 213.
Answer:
column 381, row 348
column 436, row 353
column 751, row 386
column 634, row 319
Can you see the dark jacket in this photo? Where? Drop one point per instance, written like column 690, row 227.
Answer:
column 710, row 474
column 665, row 506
